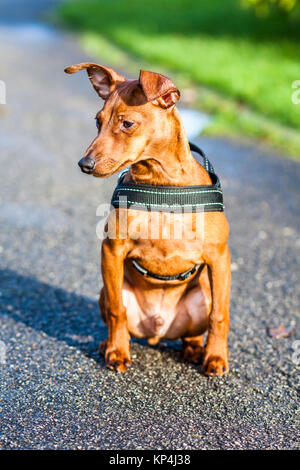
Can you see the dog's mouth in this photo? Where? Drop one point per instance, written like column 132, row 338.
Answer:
column 87, row 171
column 102, row 168
column 109, row 167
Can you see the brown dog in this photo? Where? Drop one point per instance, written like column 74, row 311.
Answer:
column 139, row 126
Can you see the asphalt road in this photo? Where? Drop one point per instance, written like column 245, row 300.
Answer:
column 55, row 391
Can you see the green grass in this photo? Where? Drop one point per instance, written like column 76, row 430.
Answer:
column 243, row 66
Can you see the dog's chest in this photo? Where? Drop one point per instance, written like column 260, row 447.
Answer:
column 166, row 241
column 168, row 226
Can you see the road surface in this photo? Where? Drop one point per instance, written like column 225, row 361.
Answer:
column 55, row 390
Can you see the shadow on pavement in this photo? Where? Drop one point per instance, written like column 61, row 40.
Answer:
column 63, row 315
column 58, row 313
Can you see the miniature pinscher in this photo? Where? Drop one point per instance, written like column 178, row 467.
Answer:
column 140, row 128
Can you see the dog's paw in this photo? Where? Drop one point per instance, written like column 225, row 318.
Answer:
column 115, row 359
column 215, row 365
column 192, row 352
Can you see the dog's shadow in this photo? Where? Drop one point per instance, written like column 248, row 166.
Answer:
column 63, row 315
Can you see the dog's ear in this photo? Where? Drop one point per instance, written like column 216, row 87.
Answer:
column 104, row 79
column 158, row 89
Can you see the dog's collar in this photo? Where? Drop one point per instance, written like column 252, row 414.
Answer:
column 147, row 197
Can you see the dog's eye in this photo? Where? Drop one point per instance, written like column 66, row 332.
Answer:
column 127, row 124
column 98, row 125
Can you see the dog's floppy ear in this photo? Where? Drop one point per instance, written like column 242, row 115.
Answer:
column 158, row 89
column 104, row 79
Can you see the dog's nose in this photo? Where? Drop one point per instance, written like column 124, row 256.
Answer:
column 87, row 164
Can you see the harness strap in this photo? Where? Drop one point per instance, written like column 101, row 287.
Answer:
column 147, row 197
column 177, row 277
column 206, row 163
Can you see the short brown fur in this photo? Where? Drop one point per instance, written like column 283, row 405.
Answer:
column 156, row 149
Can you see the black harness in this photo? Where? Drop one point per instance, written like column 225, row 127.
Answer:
column 147, row 197
column 177, row 277
column 178, row 199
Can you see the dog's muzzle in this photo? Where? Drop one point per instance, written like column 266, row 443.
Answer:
column 87, row 165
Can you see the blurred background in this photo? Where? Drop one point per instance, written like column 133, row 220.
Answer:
column 235, row 63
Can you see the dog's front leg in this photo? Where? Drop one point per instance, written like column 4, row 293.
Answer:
column 216, row 349
column 117, row 355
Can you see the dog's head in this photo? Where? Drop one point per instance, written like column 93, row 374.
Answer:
column 135, row 121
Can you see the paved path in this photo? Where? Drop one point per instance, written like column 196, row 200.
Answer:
column 55, row 390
